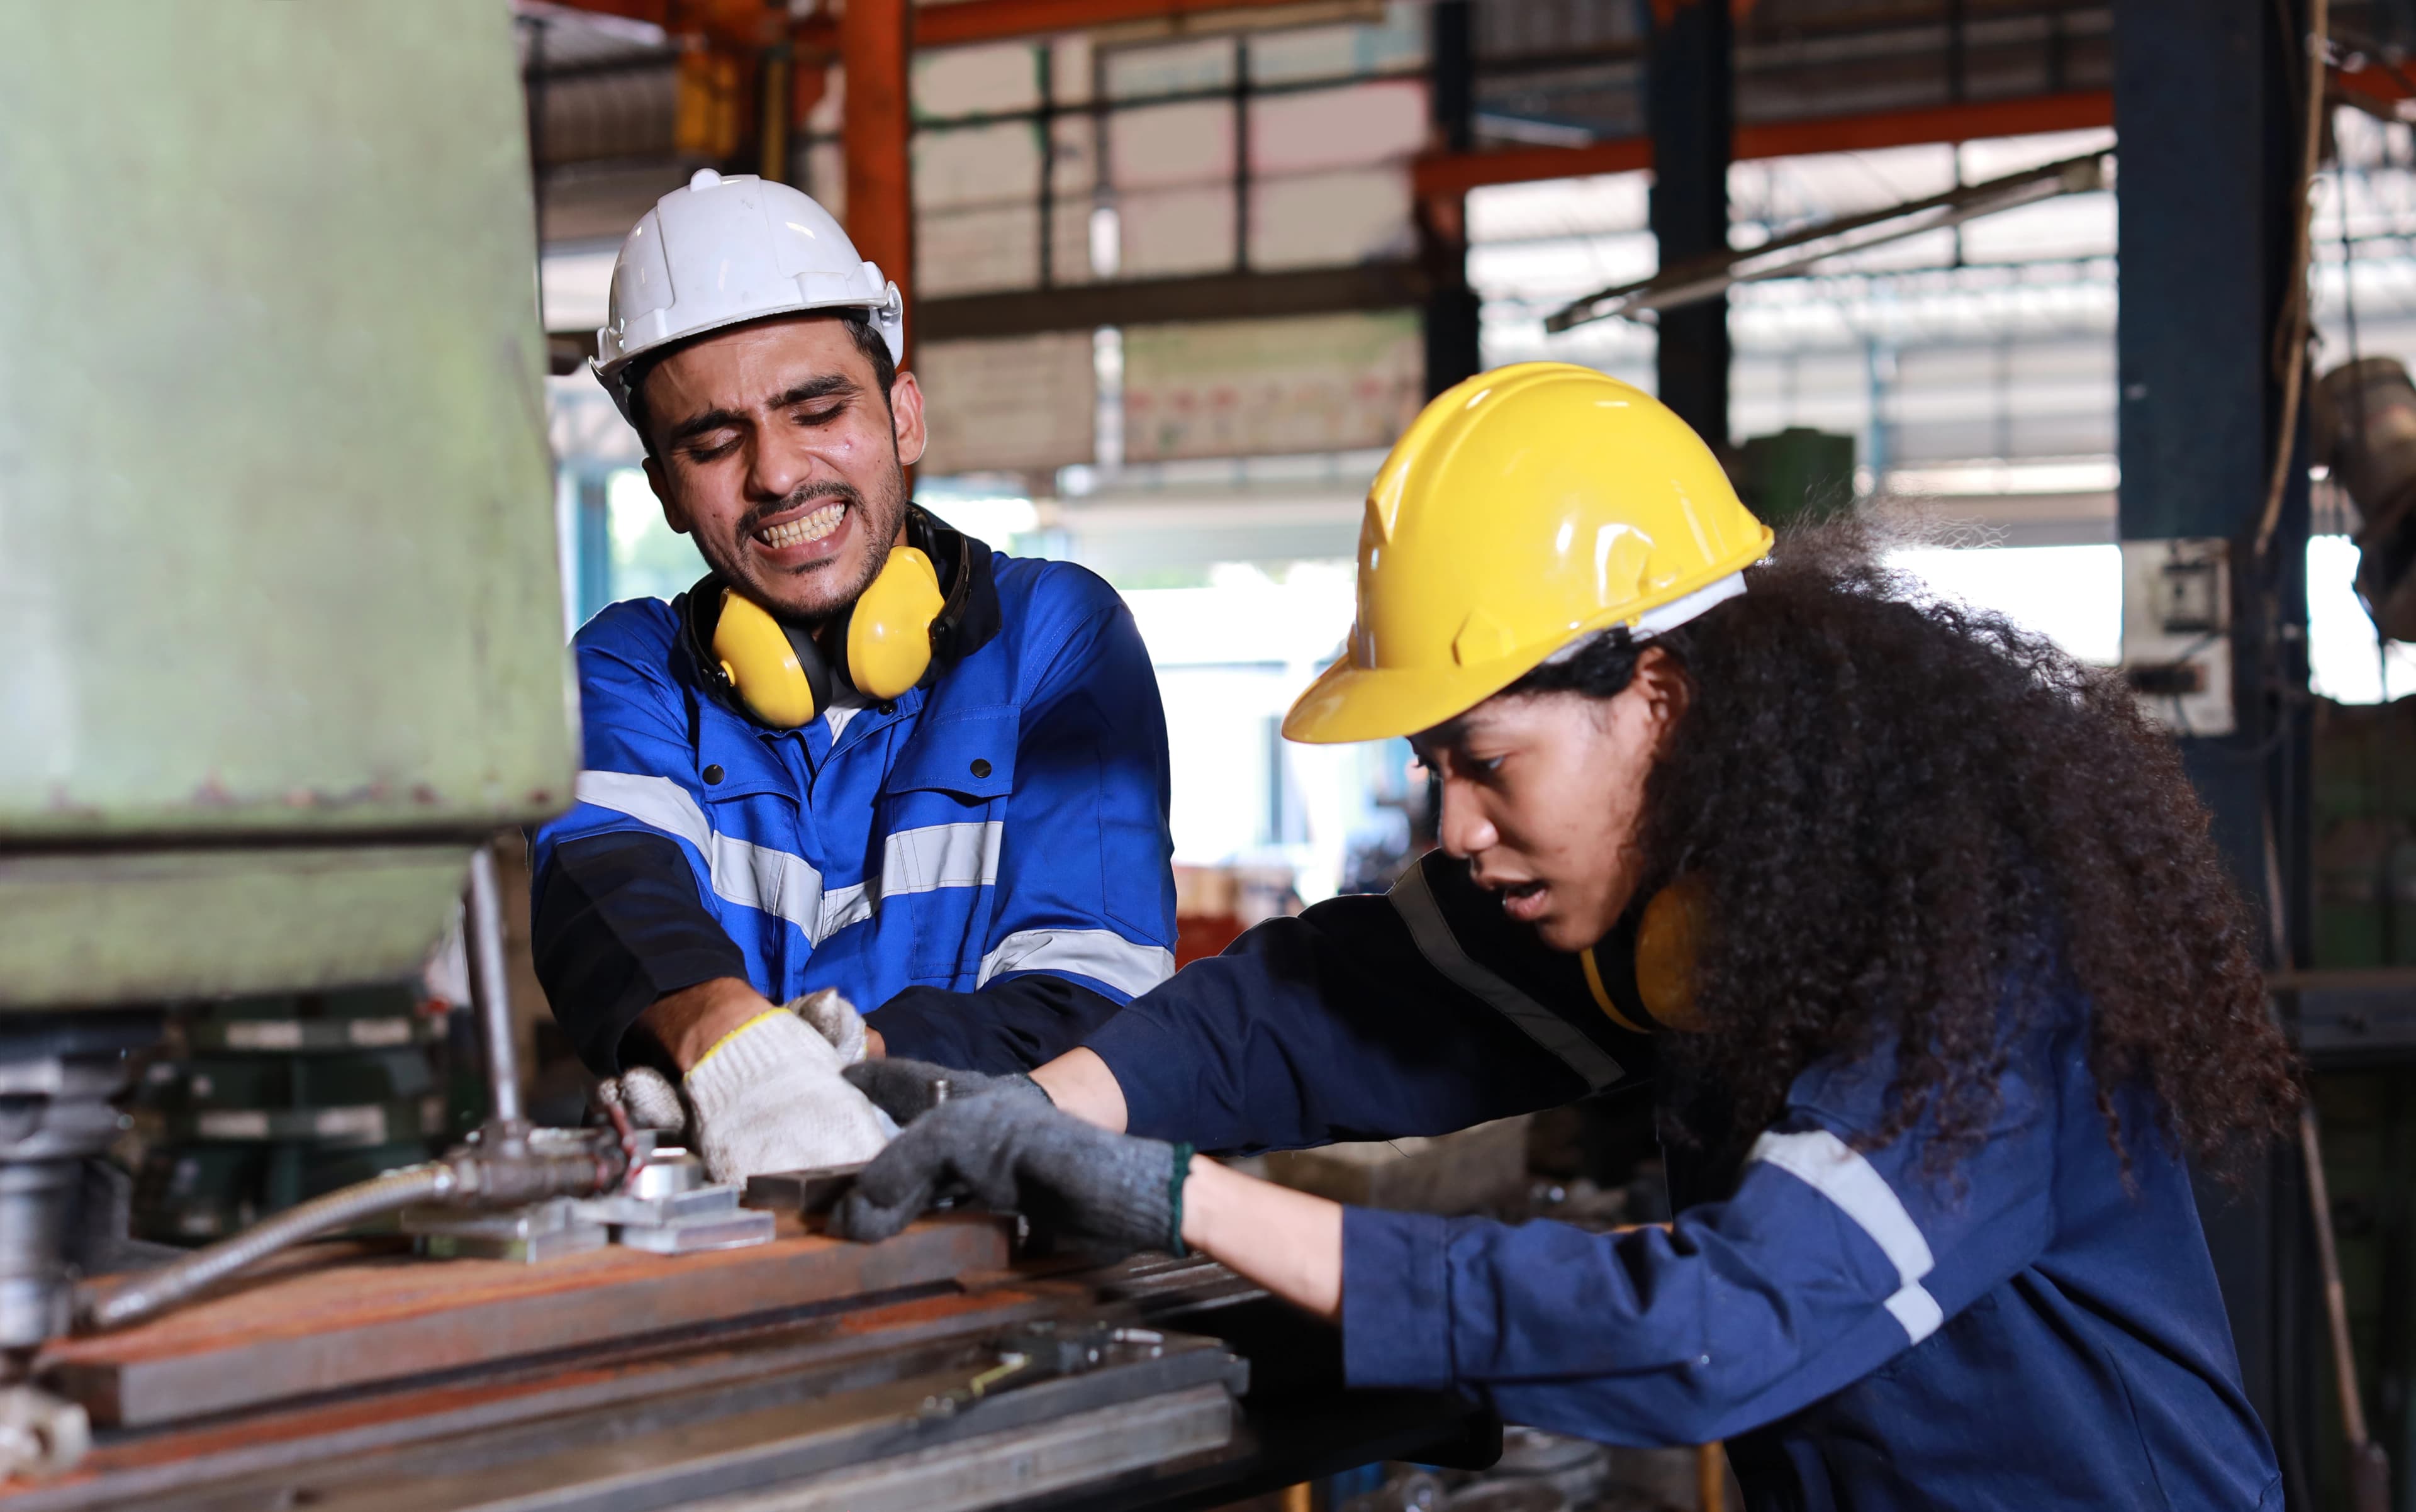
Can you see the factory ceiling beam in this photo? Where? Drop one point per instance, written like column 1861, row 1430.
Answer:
column 967, row 23
column 1457, row 172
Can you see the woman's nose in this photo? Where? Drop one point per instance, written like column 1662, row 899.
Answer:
column 1465, row 830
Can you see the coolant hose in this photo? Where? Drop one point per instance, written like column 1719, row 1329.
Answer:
column 151, row 1292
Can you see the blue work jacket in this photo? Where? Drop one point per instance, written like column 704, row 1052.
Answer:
column 2035, row 1327
column 981, row 864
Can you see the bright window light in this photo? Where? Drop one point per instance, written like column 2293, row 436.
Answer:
column 993, row 520
column 2343, row 661
column 2072, row 595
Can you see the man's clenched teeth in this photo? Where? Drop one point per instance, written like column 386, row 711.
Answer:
column 811, row 527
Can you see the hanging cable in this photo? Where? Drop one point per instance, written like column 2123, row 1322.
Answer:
column 2290, row 353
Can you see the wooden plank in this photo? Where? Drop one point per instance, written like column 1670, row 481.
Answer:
column 338, row 1316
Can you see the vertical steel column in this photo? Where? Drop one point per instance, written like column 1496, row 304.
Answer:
column 875, row 41
column 775, row 93
column 2204, row 105
column 1453, row 324
column 1688, row 88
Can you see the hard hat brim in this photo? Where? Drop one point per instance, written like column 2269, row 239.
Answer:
column 1349, row 702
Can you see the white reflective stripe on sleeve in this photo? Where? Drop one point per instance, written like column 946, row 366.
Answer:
column 918, row 861
column 1560, row 1039
column 1101, row 955
column 1837, row 1171
column 1917, row 1310
column 749, row 875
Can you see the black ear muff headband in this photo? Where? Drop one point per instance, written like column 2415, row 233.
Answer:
column 773, row 672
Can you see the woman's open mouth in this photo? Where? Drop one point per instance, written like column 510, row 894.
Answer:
column 1527, row 900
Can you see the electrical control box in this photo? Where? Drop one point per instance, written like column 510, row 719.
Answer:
column 2177, row 632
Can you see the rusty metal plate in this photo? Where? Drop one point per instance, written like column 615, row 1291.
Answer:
column 340, row 1316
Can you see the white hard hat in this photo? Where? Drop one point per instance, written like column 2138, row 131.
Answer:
column 724, row 251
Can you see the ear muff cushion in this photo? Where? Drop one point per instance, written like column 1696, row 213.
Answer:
column 1667, row 941
column 889, row 634
column 762, row 663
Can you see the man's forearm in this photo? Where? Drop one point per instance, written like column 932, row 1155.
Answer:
column 689, row 1022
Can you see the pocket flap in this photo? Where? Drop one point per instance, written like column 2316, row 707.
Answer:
column 970, row 752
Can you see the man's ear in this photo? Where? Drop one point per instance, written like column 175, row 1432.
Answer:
column 906, row 420
column 656, row 479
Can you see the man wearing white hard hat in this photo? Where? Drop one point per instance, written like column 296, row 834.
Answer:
column 866, row 761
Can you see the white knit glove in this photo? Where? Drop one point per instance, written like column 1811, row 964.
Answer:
column 836, row 1019
column 769, row 1097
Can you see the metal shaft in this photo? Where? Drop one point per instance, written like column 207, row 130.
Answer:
column 482, row 926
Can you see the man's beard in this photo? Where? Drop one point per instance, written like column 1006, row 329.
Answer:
column 877, row 516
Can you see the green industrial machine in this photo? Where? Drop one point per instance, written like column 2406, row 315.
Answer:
column 279, row 615
column 278, row 584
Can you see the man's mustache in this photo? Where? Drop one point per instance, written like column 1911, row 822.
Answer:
column 806, row 493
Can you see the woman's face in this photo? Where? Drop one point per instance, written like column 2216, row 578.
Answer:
column 1544, row 794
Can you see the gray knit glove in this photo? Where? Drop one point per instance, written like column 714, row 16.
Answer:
column 1021, row 1154
column 906, row 1090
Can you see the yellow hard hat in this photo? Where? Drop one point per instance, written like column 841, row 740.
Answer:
column 1523, row 509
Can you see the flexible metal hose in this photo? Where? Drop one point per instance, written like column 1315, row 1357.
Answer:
column 152, row 1292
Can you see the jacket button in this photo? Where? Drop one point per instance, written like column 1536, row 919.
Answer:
column 981, row 768
column 890, row 707
column 712, row 776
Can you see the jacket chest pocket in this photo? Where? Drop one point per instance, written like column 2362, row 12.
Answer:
column 757, row 853
column 945, row 832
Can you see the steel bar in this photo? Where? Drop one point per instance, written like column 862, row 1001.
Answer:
column 816, row 1353
column 1801, row 250
column 351, row 1319
column 1457, row 172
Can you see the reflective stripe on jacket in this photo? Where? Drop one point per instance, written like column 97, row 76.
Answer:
column 1004, row 822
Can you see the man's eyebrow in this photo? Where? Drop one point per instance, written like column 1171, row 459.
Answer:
column 823, row 386
column 699, row 425
column 826, row 385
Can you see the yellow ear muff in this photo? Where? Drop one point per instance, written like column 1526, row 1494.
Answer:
column 761, row 665
column 889, row 635
column 1667, row 939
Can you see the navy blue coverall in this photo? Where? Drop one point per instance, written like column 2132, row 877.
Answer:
column 2025, row 1332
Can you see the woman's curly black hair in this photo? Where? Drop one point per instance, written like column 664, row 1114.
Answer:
column 1894, row 809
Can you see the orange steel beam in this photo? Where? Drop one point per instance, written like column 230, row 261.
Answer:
column 999, row 20
column 740, row 22
column 875, row 41
column 1457, row 172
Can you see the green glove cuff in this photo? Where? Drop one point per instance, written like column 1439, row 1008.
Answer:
column 1174, row 1201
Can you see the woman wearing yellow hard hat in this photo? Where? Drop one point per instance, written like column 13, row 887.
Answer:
column 1911, row 919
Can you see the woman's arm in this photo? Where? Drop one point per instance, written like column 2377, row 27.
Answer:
column 1289, row 1241
column 1329, row 1026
